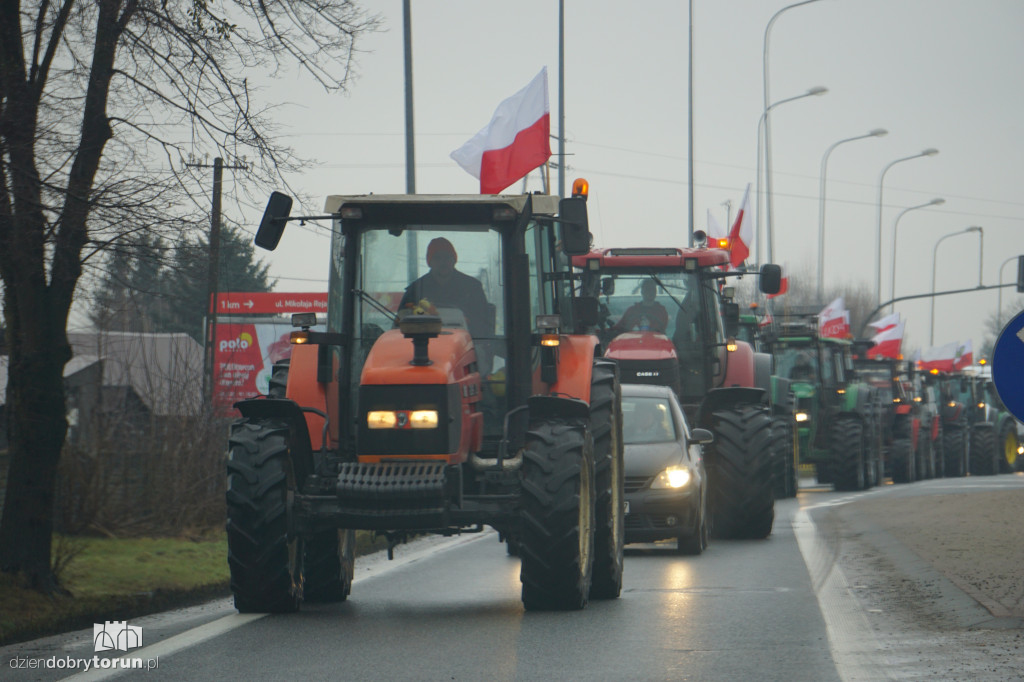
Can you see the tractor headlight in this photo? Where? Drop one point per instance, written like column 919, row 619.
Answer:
column 672, row 477
column 401, row 419
column 423, row 419
column 802, row 417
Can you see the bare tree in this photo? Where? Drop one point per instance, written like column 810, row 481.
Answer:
column 99, row 101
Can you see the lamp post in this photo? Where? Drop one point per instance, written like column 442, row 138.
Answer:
column 767, row 123
column 999, row 309
column 811, row 92
column 934, row 202
column 877, row 132
column 878, row 264
column 935, row 253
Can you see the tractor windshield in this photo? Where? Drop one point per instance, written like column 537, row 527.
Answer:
column 666, row 302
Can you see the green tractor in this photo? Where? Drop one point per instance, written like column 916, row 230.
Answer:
column 900, row 417
column 1004, row 455
column 837, row 416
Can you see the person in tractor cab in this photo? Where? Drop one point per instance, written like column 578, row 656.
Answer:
column 446, row 287
column 647, row 315
column 803, row 368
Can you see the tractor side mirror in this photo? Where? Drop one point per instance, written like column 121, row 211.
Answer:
column 572, row 216
column 731, row 318
column 274, row 218
column 585, row 312
column 608, row 286
column 771, row 278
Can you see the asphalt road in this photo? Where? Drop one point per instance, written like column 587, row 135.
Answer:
column 815, row 601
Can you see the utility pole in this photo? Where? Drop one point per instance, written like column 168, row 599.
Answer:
column 213, row 276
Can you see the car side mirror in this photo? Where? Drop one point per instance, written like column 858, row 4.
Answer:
column 701, row 436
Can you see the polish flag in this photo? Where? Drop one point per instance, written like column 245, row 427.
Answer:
column 887, row 322
column 715, row 231
column 887, row 342
column 516, row 141
column 964, row 356
column 741, row 236
column 834, row 320
column 941, row 358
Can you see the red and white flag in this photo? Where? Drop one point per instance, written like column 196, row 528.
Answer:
column 887, row 322
column 741, row 236
column 834, row 320
column 887, row 342
column 941, row 358
column 964, row 356
column 516, row 141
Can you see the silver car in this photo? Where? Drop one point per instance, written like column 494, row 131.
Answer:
column 666, row 486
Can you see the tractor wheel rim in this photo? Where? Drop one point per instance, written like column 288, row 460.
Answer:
column 1010, row 448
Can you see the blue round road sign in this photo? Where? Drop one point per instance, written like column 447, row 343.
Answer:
column 1008, row 366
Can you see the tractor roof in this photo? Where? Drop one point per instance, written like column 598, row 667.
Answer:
column 544, row 204
column 646, row 258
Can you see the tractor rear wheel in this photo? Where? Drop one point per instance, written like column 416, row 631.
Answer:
column 954, row 452
column 785, row 462
column 556, row 542
column 985, row 453
column 329, row 564
column 1007, row 445
column 846, row 443
column 739, row 466
column 265, row 558
column 609, row 480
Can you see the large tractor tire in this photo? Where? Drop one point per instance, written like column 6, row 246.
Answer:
column 985, row 453
column 902, row 458
column 847, row 448
column 329, row 565
column 954, row 451
column 265, row 559
column 784, row 466
column 609, row 481
column 1009, row 460
column 929, row 453
column 556, row 544
column 739, row 466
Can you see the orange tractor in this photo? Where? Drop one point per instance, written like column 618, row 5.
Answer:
column 439, row 400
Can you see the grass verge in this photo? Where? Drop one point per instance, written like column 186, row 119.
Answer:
column 123, row 578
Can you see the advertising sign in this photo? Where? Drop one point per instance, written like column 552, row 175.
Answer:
column 244, row 358
column 278, row 303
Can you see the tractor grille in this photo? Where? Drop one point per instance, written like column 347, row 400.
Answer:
column 391, row 487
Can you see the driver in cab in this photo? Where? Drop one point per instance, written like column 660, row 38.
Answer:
column 445, row 287
column 647, row 315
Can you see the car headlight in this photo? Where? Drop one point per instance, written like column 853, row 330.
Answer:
column 802, row 417
column 672, row 477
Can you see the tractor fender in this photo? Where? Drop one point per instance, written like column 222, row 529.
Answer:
column 288, row 411
column 576, row 354
column 738, row 366
column 557, row 406
column 763, row 371
column 718, row 398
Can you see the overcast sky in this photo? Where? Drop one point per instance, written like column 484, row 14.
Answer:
column 935, row 73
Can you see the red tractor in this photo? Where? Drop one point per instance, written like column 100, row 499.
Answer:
column 439, row 400
column 661, row 319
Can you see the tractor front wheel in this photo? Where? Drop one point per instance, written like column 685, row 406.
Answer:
column 264, row 557
column 847, row 447
column 556, row 543
column 902, row 458
column 329, row 564
column 954, row 452
column 785, row 459
column 985, row 454
column 1008, row 444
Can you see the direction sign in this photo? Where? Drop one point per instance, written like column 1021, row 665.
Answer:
column 281, row 303
column 1008, row 366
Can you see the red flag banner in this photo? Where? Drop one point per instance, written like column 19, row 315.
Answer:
column 741, row 236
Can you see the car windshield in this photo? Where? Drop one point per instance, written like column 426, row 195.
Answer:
column 647, row 420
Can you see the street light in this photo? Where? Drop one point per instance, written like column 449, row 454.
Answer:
column 811, row 92
column 935, row 253
column 934, row 202
column 877, row 132
column 881, row 180
column 999, row 310
column 767, row 122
